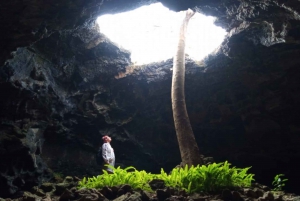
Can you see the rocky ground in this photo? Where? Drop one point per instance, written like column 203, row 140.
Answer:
column 67, row 190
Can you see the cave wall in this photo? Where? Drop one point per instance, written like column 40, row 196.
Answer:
column 64, row 85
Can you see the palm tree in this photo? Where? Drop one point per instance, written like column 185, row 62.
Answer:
column 189, row 150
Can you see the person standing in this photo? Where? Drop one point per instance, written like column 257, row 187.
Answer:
column 108, row 154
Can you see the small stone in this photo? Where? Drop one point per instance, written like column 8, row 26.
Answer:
column 250, row 193
column 67, row 195
column 198, row 197
column 121, row 192
column 236, row 196
column 30, row 197
column 135, row 197
column 258, row 192
column 182, row 193
column 47, row 187
column 122, row 197
column 175, row 198
column 208, row 160
column 226, row 194
column 60, row 188
column 115, row 189
column 157, row 184
column 76, row 179
column 108, row 193
column 126, row 188
column 260, row 186
column 145, row 196
column 278, row 197
column 126, row 197
column 89, row 197
column 162, row 194
column 40, row 192
column 48, row 198
column 269, row 196
column 68, row 179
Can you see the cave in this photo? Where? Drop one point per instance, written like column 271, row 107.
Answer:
column 64, row 85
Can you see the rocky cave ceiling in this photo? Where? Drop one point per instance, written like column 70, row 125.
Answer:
column 64, row 85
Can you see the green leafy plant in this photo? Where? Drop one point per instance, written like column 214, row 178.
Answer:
column 279, row 182
column 136, row 179
column 210, row 178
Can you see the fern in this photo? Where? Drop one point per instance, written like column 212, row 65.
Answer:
column 210, row 178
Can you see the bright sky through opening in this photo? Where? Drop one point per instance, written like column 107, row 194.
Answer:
column 151, row 33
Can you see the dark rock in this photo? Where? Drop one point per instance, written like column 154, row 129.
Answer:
column 175, row 198
column 198, row 197
column 123, row 197
column 47, row 187
column 226, row 195
column 67, row 195
column 258, row 192
column 47, row 198
column 115, row 189
column 278, row 196
column 40, row 193
column 208, row 160
column 157, row 184
column 250, row 193
column 37, row 191
column 120, row 192
column 60, row 188
column 124, row 189
column 263, row 187
column 90, row 197
column 182, row 193
column 108, row 193
column 268, row 196
column 162, row 194
column 135, row 197
column 130, row 197
column 76, row 179
column 146, row 196
column 68, row 179
column 89, row 194
column 30, row 197
column 236, row 196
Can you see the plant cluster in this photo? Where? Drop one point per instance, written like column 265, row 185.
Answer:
column 210, row 178
column 279, row 182
column 136, row 179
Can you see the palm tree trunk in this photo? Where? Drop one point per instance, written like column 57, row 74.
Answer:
column 189, row 150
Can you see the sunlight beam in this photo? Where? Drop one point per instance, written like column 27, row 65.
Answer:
column 150, row 33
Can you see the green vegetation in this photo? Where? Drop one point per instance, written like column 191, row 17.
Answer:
column 278, row 182
column 210, row 178
column 58, row 176
column 136, row 179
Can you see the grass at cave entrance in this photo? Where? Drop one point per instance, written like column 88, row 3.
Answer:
column 205, row 178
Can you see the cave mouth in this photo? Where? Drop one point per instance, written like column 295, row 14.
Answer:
column 151, row 32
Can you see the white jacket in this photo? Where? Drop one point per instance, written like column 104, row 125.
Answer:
column 108, row 153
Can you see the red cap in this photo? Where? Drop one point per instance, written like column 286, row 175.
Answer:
column 105, row 137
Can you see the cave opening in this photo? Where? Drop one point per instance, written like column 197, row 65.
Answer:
column 150, row 33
